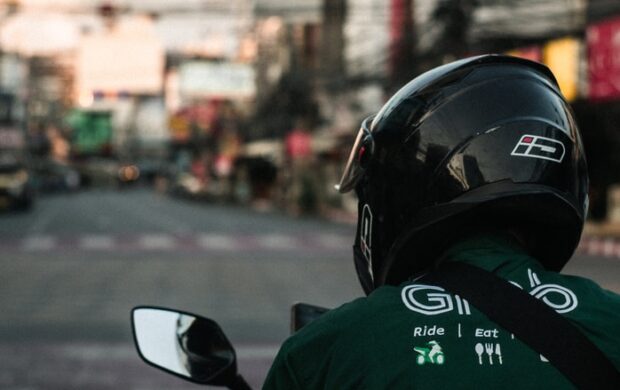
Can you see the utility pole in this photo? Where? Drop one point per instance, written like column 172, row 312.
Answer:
column 402, row 65
column 332, row 42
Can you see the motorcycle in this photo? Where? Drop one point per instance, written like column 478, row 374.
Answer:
column 195, row 348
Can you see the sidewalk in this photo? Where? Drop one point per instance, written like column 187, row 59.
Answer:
column 602, row 230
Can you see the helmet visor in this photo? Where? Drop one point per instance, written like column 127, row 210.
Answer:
column 353, row 171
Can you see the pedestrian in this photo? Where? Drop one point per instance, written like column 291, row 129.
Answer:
column 301, row 189
column 473, row 191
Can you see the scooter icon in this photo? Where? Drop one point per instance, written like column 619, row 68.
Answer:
column 432, row 353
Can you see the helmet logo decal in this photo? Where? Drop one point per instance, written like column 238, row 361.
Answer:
column 366, row 237
column 543, row 148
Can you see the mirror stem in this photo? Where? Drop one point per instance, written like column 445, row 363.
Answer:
column 239, row 384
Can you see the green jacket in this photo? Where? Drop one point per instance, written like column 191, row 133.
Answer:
column 419, row 336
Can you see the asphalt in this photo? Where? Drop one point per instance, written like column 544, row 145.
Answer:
column 74, row 267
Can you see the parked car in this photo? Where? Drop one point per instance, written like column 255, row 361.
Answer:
column 16, row 190
column 54, row 177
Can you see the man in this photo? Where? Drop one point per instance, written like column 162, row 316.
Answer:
column 476, row 165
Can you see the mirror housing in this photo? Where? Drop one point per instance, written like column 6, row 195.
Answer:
column 304, row 313
column 184, row 344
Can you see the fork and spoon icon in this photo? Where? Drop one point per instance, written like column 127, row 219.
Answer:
column 490, row 349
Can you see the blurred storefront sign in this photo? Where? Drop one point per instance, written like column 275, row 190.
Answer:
column 151, row 121
column 604, row 59
column 120, row 62
column 527, row 18
column 292, row 11
column 215, row 79
column 562, row 57
column 180, row 127
column 39, row 34
column 217, row 37
column 92, row 131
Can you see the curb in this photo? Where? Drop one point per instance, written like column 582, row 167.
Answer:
column 606, row 229
column 599, row 246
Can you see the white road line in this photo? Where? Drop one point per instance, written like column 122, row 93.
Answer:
column 216, row 241
column 157, row 241
column 332, row 241
column 38, row 243
column 609, row 246
column 277, row 241
column 603, row 247
column 94, row 242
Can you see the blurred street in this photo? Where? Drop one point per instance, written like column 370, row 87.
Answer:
column 183, row 154
column 75, row 266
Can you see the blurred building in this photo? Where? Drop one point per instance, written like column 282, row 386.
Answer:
column 191, row 77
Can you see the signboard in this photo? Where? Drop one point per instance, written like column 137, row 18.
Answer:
column 603, row 41
column 216, row 79
column 562, row 57
column 92, row 131
column 120, row 63
column 11, row 138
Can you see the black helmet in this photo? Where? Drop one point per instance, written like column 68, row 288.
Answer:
column 482, row 143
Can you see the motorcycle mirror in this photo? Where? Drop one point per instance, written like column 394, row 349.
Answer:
column 303, row 313
column 186, row 345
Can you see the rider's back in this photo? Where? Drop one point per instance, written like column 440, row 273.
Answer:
column 418, row 336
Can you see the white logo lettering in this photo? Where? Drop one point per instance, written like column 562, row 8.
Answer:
column 569, row 299
column 433, row 300
column 426, row 300
column 536, row 146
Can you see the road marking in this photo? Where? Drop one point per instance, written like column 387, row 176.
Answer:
column 156, row 241
column 97, row 242
column 590, row 246
column 167, row 241
column 333, row 241
column 277, row 241
column 600, row 246
column 38, row 243
column 216, row 241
